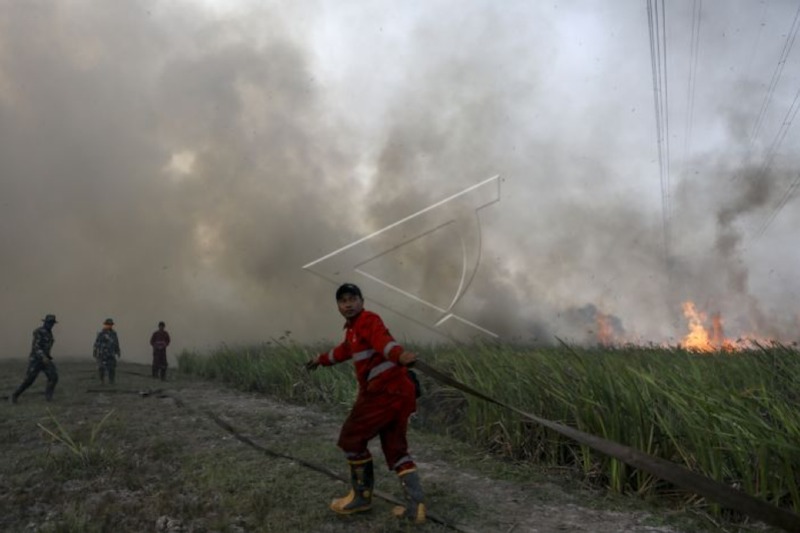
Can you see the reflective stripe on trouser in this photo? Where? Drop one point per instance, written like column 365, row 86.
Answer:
column 383, row 414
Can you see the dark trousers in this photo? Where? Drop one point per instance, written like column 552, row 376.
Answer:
column 36, row 365
column 160, row 365
column 109, row 366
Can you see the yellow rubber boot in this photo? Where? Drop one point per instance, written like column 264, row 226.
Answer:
column 359, row 499
column 414, row 509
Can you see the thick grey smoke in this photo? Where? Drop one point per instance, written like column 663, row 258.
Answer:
column 181, row 162
column 160, row 166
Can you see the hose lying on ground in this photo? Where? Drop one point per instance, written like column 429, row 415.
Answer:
column 661, row 468
column 248, row 441
column 666, row 470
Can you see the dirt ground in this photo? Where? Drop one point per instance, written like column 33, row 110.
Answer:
column 147, row 456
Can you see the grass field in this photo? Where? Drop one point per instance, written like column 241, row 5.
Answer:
column 131, row 458
column 732, row 416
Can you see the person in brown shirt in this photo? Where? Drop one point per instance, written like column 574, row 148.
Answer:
column 159, row 340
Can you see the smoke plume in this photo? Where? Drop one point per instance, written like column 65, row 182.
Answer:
column 183, row 161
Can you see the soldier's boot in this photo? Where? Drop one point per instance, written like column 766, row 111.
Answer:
column 414, row 509
column 163, row 374
column 111, row 375
column 362, row 481
column 102, row 373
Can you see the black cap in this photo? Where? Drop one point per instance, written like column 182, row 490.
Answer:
column 51, row 319
column 161, row 324
column 108, row 322
column 348, row 288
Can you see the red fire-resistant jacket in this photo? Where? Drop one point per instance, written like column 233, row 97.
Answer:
column 373, row 350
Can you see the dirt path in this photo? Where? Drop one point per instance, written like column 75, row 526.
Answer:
column 535, row 507
column 155, row 465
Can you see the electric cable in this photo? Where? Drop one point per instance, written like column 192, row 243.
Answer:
column 656, row 20
column 697, row 18
column 776, row 76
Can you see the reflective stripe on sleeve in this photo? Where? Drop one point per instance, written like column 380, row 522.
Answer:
column 388, row 348
column 386, row 365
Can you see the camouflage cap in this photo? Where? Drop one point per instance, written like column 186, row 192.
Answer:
column 108, row 322
column 51, row 319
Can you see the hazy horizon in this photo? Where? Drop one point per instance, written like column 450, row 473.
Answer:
column 182, row 161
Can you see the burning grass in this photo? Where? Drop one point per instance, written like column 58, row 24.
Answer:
column 732, row 416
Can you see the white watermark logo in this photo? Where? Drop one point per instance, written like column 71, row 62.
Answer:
column 460, row 212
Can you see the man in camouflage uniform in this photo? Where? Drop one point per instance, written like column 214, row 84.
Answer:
column 40, row 360
column 106, row 351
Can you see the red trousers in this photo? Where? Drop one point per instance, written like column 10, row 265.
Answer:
column 381, row 413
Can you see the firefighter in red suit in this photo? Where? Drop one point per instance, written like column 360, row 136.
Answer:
column 386, row 399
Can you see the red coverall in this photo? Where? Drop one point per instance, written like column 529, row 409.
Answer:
column 386, row 395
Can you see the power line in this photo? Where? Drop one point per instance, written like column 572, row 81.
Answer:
column 784, row 129
column 746, row 75
column 776, row 75
column 791, row 113
column 761, row 25
column 656, row 20
column 697, row 15
column 793, row 187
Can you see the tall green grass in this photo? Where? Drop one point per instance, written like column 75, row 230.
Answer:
column 731, row 416
column 273, row 368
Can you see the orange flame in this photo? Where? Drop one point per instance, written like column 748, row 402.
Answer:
column 698, row 339
column 605, row 332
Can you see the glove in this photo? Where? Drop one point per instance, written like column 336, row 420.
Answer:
column 312, row 364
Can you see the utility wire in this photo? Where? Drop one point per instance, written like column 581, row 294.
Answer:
column 793, row 187
column 776, row 76
column 746, row 76
column 656, row 20
column 754, row 49
column 791, row 113
column 697, row 14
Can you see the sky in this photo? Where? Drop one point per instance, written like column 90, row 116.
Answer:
column 195, row 162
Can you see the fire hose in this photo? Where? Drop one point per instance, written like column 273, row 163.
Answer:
column 662, row 468
column 160, row 393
